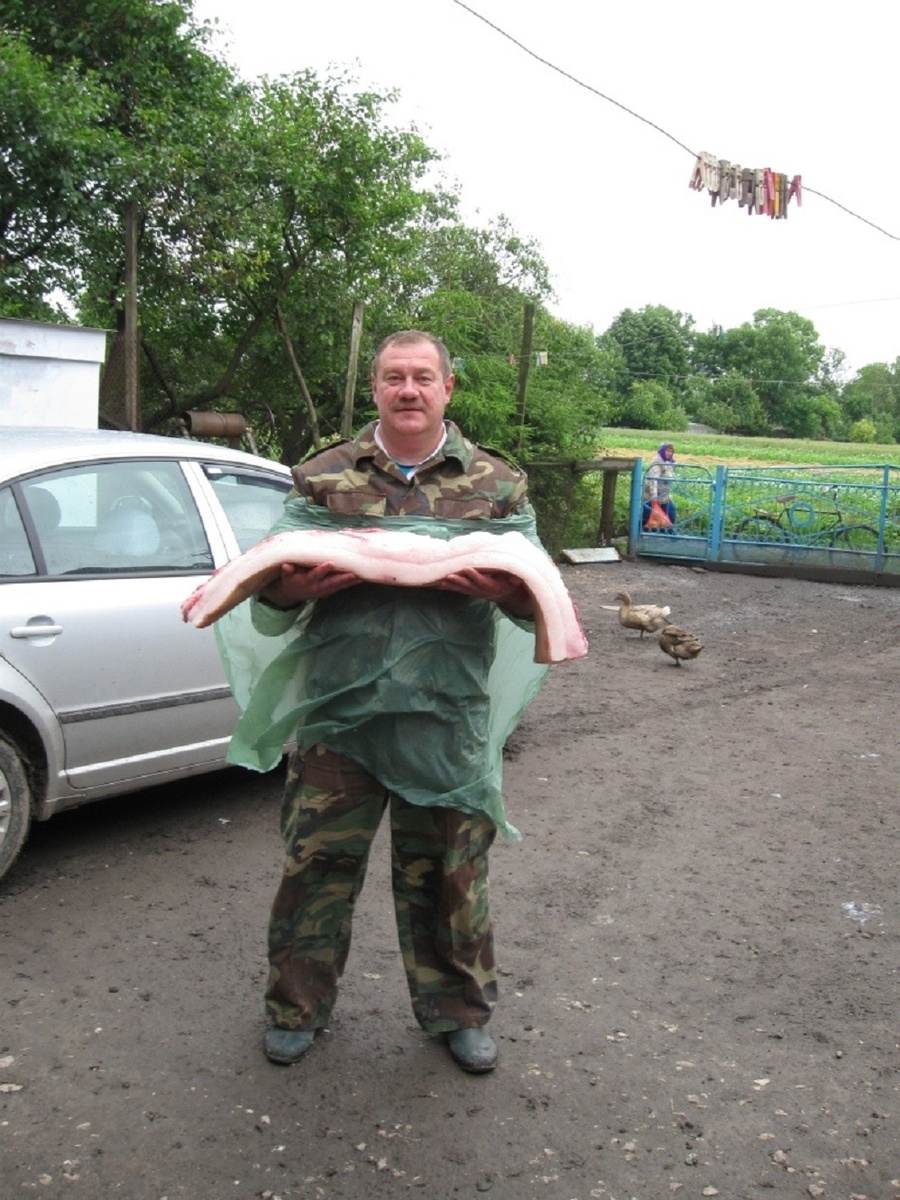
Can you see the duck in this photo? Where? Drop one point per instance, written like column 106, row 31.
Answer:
column 645, row 617
column 679, row 644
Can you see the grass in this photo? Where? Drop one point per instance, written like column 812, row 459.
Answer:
column 709, row 449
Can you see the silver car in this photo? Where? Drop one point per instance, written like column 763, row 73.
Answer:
column 103, row 688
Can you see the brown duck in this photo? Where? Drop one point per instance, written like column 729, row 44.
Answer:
column 679, row 644
column 645, row 617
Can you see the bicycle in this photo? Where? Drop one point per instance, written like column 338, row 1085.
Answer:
column 800, row 522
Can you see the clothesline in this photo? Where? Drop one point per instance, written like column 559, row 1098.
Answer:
column 539, row 358
column 758, row 189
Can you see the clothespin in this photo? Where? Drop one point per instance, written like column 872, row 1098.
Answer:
column 759, row 192
column 712, row 176
column 725, row 170
column 696, row 181
column 796, row 189
column 770, row 193
column 458, row 364
column 512, row 360
column 746, row 198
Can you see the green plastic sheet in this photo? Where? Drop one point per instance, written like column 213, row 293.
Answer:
column 421, row 687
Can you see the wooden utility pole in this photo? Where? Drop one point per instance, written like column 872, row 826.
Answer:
column 524, row 365
column 298, row 375
column 355, row 333
column 132, row 392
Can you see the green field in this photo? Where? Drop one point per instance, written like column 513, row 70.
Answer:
column 711, row 448
column 572, row 519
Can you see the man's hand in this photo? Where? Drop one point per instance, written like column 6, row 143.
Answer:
column 299, row 584
column 500, row 586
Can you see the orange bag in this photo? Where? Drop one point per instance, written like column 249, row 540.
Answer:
column 658, row 518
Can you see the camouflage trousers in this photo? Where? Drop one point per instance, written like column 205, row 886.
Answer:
column 439, row 871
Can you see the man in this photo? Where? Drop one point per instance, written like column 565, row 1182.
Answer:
column 394, row 697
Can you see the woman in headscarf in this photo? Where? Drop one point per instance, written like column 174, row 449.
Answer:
column 658, row 483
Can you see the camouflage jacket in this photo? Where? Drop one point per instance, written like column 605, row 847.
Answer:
column 460, row 481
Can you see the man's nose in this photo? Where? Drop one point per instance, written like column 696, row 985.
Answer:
column 408, row 387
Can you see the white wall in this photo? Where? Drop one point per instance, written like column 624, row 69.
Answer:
column 50, row 374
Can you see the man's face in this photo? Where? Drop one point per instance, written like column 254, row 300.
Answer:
column 410, row 392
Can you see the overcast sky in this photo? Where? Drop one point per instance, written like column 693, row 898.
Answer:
column 802, row 87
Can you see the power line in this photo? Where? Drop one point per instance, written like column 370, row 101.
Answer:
column 849, row 303
column 659, row 129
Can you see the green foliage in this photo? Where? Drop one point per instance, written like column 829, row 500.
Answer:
column 649, row 404
column 874, row 395
column 780, row 355
column 304, row 207
column 568, row 398
column 655, row 344
column 733, row 406
column 563, row 503
column 484, row 402
column 863, row 430
column 51, row 152
column 765, row 376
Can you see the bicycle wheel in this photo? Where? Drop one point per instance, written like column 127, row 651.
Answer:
column 855, row 537
column 759, row 540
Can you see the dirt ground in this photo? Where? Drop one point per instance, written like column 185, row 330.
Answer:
column 698, row 936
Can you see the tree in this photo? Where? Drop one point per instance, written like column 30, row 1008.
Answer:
column 51, row 153
column 655, row 344
column 873, row 396
column 266, row 210
column 863, row 430
column 733, row 406
column 318, row 214
column 649, row 404
column 143, row 66
column 780, row 355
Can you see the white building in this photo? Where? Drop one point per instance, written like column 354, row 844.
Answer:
column 50, row 374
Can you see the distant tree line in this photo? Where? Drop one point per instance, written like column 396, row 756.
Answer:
column 771, row 375
column 266, row 209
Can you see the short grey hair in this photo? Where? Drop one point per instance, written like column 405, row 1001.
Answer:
column 409, row 337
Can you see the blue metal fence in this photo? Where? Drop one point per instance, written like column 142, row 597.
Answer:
column 822, row 520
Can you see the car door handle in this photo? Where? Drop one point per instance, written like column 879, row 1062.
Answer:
column 35, row 631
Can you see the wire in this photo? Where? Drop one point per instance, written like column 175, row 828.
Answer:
column 473, row 359
column 850, row 212
column 609, row 99
column 849, row 303
column 579, row 82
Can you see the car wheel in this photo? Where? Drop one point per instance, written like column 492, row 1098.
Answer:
column 15, row 805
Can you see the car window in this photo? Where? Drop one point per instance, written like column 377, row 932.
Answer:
column 252, row 502
column 15, row 553
column 114, row 518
